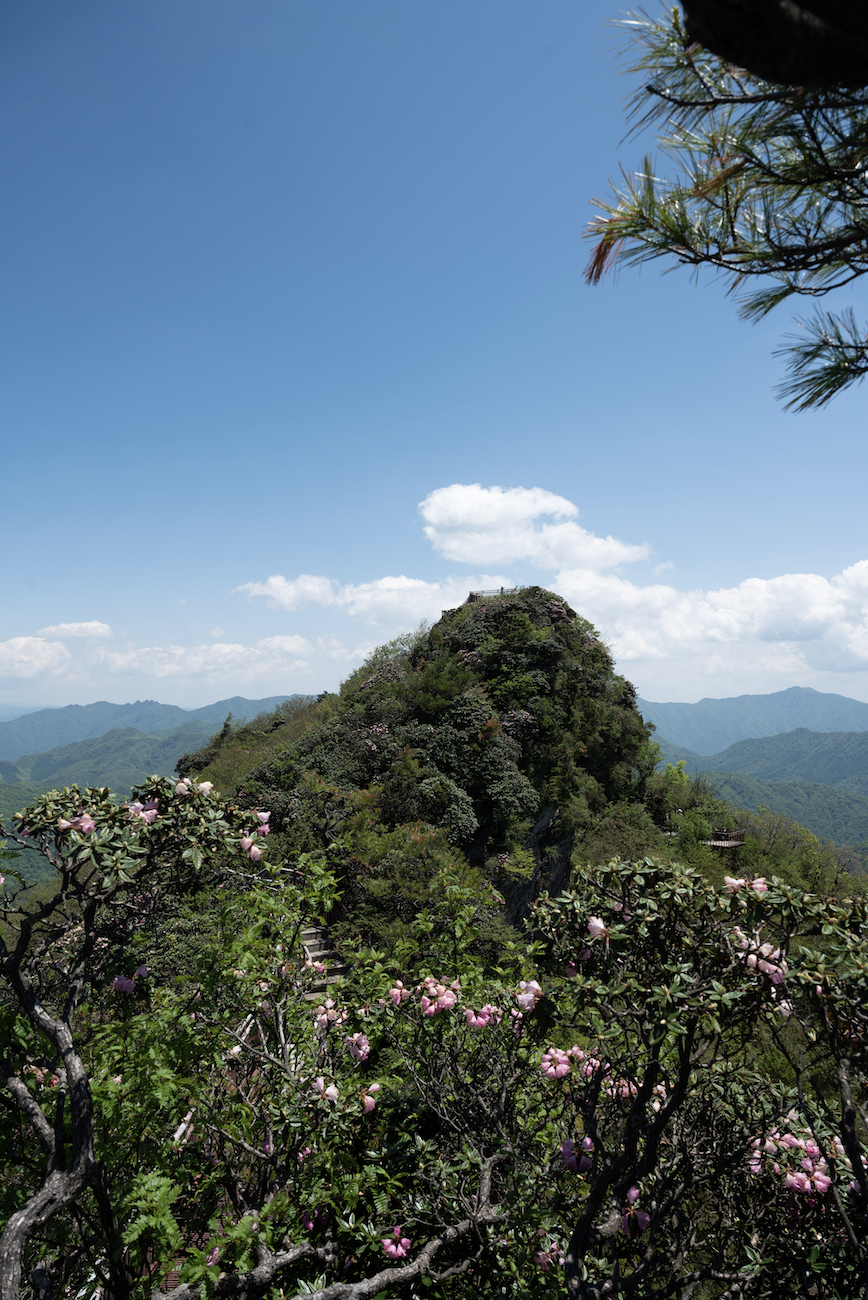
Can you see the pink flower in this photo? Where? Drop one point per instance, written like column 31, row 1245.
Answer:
column 555, row 1063
column 63, row 824
column 529, row 996
column 141, row 973
column 330, row 1093
column 633, row 1195
column 205, row 787
column 396, row 1246
column 822, row 1182
column 597, row 928
column 263, row 817
column 213, row 1256
column 303, row 1154
column 758, row 885
column 568, row 1155
column 122, row 984
column 255, row 854
column 86, row 824
column 360, row 1048
column 398, row 994
column 182, row 788
column 473, row 1020
column 643, row 1220
column 733, row 885
column 246, row 843
column 367, row 1099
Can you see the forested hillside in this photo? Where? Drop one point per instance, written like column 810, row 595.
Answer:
column 816, row 778
column 830, row 758
column 504, row 727
column 711, row 725
column 119, row 758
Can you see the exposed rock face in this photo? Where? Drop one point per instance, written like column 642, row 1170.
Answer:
column 813, row 44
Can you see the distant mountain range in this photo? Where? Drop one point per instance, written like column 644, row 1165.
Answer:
column 118, row 757
column 47, row 728
column 10, row 711
column 711, row 725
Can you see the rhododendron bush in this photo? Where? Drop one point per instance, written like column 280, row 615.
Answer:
column 661, row 1094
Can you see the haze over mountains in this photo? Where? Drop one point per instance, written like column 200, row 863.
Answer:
column 709, row 726
column 35, row 732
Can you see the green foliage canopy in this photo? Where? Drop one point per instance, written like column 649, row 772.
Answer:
column 606, row 1125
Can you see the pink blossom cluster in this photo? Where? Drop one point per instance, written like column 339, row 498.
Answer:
column 312, row 965
column 83, row 823
column 529, row 996
column 437, row 997
column 552, row 1253
column 123, row 984
column 799, row 1159
column 328, row 1014
column 398, row 994
column 396, row 1246
column 556, row 1062
column 143, row 812
column 329, row 1093
column 762, row 957
column 732, row 884
column 632, row 1218
column 367, row 1097
column 360, row 1048
column 41, row 1076
column 248, row 843
column 184, row 787
column 574, row 1160
column 486, row 1013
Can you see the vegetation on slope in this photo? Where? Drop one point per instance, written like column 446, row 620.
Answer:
column 504, row 728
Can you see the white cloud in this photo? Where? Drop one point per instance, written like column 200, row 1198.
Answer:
column 93, row 629
column 394, row 602
column 402, row 603
column 217, row 631
column 290, row 593
column 476, row 525
column 30, row 656
column 789, row 627
column 223, row 660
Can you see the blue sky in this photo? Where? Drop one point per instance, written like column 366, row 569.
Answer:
column 283, row 281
